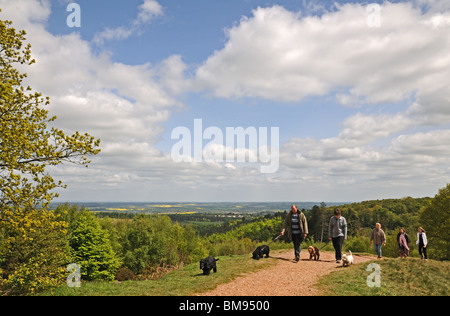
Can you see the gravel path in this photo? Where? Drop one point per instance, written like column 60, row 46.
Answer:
column 286, row 278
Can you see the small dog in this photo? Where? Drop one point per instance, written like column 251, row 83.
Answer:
column 208, row 264
column 347, row 259
column 313, row 252
column 261, row 251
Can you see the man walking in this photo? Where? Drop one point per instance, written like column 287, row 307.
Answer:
column 296, row 227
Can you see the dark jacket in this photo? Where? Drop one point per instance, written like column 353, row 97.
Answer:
column 406, row 237
column 287, row 225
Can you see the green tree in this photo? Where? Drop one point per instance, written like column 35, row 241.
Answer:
column 150, row 241
column 315, row 223
column 435, row 219
column 27, row 147
column 92, row 249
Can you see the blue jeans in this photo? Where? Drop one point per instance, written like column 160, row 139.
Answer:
column 377, row 248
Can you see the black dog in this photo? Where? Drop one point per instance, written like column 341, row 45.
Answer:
column 261, row 251
column 207, row 264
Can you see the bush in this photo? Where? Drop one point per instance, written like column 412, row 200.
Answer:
column 154, row 241
column 32, row 256
column 435, row 219
column 358, row 244
column 125, row 274
column 92, row 249
column 232, row 247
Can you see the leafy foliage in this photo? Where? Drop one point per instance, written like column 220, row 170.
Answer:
column 27, row 146
column 92, row 249
column 435, row 219
column 36, row 261
column 361, row 217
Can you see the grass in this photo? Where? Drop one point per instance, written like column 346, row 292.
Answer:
column 183, row 282
column 399, row 277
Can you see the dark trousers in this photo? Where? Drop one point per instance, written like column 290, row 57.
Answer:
column 423, row 251
column 297, row 239
column 337, row 244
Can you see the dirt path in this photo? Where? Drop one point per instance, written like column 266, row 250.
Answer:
column 286, row 278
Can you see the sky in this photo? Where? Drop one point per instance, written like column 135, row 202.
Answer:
column 354, row 96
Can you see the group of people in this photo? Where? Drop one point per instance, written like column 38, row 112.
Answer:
column 378, row 237
column 295, row 226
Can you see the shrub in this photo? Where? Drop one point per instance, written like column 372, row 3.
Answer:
column 232, row 247
column 435, row 219
column 154, row 241
column 32, row 257
column 357, row 244
column 92, row 249
column 125, row 274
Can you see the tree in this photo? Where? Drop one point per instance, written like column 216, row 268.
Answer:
column 92, row 249
column 27, row 147
column 315, row 223
column 323, row 219
column 435, row 219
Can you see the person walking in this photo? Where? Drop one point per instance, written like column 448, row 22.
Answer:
column 296, row 227
column 403, row 241
column 337, row 233
column 422, row 242
column 378, row 238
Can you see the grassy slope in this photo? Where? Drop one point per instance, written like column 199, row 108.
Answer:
column 399, row 277
column 183, row 282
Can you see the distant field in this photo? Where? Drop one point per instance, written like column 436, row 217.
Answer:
column 178, row 208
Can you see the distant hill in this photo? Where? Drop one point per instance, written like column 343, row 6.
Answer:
column 197, row 207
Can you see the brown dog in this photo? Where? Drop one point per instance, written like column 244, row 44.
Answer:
column 313, row 252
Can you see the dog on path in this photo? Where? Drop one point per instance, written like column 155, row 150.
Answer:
column 208, row 264
column 261, row 251
column 314, row 252
column 347, row 259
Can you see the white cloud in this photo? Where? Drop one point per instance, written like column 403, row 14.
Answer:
column 433, row 144
column 123, row 105
column 274, row 54
column 172, row 72
column 281, row 55
column 147, row 11
column 364, row 129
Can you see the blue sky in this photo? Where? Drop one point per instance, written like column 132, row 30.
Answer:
column 363, row 111
column 193, row 29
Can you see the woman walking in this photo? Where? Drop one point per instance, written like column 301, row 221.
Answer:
column 379, row 238
column 422, row 242
column 403, row 240
column 337, row 232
